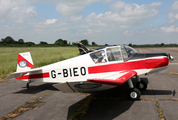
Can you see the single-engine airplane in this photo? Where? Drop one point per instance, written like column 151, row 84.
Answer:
column 95, row 70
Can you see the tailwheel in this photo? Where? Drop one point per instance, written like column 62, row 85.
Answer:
column 134, row 94
column 142, row 85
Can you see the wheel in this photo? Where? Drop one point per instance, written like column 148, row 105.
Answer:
column 134, row 94
column 142, row 85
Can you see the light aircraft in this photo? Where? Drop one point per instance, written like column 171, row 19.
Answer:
column 95, row 69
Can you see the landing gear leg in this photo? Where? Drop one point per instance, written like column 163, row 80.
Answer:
column 141, row 85
column 134, row 93
column 28, row 87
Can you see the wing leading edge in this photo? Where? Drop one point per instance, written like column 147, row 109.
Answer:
column 116, row 79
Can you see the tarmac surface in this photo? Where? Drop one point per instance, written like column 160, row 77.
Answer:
column 44, row 102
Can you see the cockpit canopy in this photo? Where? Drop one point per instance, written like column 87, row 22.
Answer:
column 116, row 53
column 129, row 50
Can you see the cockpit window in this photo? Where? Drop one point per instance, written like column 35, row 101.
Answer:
column 99, row 56
column 124, row 53
column 114, row 54
column 128, row 52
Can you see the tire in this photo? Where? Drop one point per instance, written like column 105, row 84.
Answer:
column 134, row 94
column 142, row 85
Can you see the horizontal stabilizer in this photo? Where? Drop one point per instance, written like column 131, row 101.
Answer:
column 19, row 74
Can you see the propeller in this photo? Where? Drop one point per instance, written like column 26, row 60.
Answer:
column 170, row 58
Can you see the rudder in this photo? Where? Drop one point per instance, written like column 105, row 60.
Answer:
column 24, row 62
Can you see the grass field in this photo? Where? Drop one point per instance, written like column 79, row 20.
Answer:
column 41, row 56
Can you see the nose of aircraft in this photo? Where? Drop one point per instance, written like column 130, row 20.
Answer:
column 170, row 58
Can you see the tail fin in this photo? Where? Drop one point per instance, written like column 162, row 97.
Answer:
column 24, row 62
column 82, row 48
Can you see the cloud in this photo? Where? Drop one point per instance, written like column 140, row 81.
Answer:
column 155, row 5
column 129, row 10
column 169, row 29
column 174, row 7
column 18, row 11
column 128, row 33
column 173, row 16
column 123, row 21
column 66, row 10
column 69, row 7
column 124, row 14
column 50, row 21
column 75, row 18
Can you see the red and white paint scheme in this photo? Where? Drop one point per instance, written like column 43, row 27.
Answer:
column 24, row 62
column 95, row 70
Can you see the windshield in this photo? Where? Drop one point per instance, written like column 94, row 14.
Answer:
column 130, row 51
column 127, row 52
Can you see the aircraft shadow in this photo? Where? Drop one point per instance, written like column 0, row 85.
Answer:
column 107, row 104
column 103, row 109
column 36, row 89
column 156, row 92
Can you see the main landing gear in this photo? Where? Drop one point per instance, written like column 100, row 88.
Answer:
column 134, row 93
column 28, row 87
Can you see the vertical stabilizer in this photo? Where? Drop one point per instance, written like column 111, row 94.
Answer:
column 82, row 48
column 24, row 62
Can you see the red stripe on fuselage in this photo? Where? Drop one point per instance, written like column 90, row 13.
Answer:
column 133, row 65
column 156, row 63
column 34, row 76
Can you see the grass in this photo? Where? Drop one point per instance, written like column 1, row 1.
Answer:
column 41, row 56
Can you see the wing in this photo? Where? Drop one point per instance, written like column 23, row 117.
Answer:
column 116, row 79
column 19, row 74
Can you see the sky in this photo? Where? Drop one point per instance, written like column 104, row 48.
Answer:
column 100, row 21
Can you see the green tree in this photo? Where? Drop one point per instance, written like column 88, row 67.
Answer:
column 130, row 44
column 74, row 43
column 59, row 42
column 65, row 42
column 162, row 44
column 84, row 42
column 30, row 43
column 43, row 43
column 2, row 40
column 20, row 41
column 93, row 43
column 9, row 40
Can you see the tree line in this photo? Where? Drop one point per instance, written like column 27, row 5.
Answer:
column 154, row 45
column 10, row 42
